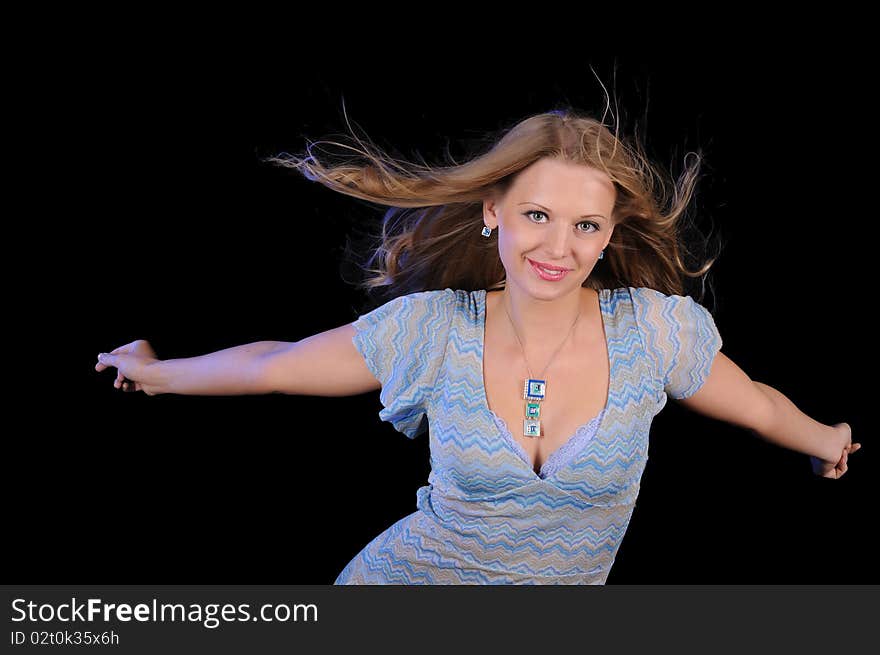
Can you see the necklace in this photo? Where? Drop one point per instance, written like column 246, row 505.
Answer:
column 535, row 389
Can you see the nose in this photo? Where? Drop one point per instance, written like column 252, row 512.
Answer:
column 559, row 237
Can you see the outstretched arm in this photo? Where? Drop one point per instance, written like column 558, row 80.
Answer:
column 730, row 395
column 238, row 370
column 324, row 364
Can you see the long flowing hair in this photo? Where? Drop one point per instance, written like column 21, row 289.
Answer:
column 430, row 233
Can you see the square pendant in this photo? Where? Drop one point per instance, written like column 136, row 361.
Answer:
column 533, row 410
column 531, row 428
column 534, row 389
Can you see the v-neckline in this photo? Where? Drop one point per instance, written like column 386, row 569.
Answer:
column 501, row 424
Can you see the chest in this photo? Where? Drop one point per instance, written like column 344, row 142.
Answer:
column 576, row 390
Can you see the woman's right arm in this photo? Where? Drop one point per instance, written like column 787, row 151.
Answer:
column 231, row 372
column 324, row 364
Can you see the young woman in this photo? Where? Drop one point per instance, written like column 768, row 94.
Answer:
column 536, row 324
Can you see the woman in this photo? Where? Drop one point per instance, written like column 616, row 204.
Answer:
column 538, row 352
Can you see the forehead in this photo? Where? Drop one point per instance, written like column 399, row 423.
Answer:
column 561, row 178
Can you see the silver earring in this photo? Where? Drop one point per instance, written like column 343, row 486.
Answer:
column 601, row 254
column 487, row 231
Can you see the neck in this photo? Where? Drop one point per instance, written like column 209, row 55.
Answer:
column 542, row 323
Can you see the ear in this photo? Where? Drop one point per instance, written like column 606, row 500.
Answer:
column 490, row 216
column 608, row 240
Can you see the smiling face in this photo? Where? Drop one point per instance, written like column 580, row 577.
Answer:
column 557, row 213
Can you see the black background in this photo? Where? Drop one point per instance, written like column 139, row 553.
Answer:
column 175, row 232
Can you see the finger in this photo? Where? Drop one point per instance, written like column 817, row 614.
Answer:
column 124, row 349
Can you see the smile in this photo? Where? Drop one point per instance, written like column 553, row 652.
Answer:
column 551, row 275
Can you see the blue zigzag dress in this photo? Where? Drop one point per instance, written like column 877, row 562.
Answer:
column 485, row 516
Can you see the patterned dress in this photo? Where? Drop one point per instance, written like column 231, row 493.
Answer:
column 485, row 516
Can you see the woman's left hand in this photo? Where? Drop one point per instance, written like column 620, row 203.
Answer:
column 835, row 469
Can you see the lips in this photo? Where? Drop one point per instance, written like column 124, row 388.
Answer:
column 547, row 275
column 549, row 267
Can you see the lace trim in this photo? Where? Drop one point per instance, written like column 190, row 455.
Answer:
column 559, row 457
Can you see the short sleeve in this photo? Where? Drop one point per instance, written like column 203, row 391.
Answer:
column 680, row 339
column 403, row 342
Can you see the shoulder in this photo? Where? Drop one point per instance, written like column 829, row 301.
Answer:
column 626, row 301
column 434, row 296
column 454, row 302
column 416, row 304
column 440, row 303
column 649, row 302
column 417, row 317
column 649, row 296
column 666, row 320
column 671, row 321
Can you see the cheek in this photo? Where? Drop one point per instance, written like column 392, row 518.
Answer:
column 515, row 241
column 512, row 251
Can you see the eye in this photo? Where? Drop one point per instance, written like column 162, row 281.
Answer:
column 594, row 226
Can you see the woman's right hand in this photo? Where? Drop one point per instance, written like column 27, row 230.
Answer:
column 132, row 363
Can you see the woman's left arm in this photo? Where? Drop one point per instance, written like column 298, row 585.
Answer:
column 729, row 394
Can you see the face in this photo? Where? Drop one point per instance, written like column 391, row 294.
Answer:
column 556, row 213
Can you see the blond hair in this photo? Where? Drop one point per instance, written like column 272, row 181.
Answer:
column 430, row 234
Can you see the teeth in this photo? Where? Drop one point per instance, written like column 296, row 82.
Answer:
column 553, row 273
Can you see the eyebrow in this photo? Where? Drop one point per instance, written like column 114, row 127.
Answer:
column 551, row 211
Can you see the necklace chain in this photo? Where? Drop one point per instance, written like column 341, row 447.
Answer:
column 531, row 426
column 524, row 350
